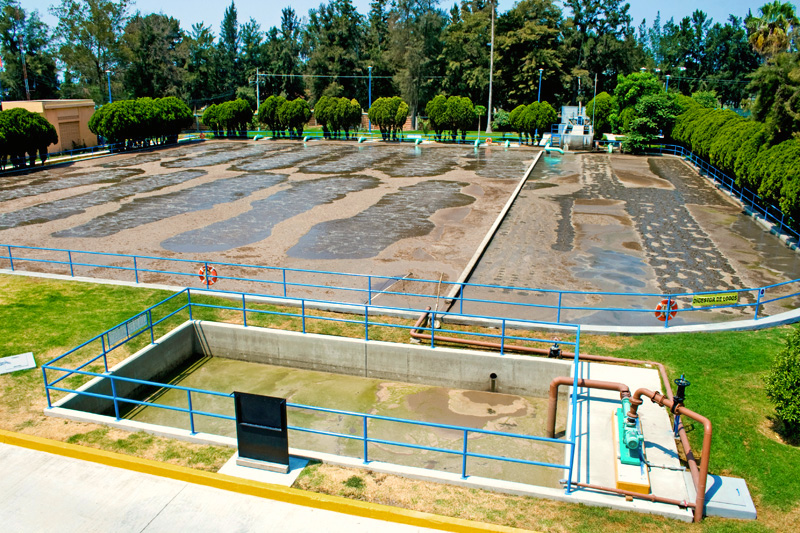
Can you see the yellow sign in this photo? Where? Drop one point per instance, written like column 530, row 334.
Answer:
column 720, row 298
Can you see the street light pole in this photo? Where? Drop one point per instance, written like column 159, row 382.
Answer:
column 258, row 91
column 539, row 97
column 491, row 75
column 369, row 98
column 666, row 89
column 108, row 77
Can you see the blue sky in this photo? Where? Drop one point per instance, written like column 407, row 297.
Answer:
column 267, row 13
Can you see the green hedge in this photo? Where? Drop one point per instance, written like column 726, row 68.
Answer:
column 24, row 132
column 281, row 115
column 389, row 114
column 337, row 114
column 233, row 116
column 139, row 122
column 739, row 147
column 526, row 119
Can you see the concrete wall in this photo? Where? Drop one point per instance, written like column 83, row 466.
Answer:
column 447, row 367
column 153, row 363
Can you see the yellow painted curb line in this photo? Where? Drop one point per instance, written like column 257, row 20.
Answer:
column 252, row 488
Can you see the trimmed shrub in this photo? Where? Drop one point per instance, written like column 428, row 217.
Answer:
column 24, row 132
column 783, row 385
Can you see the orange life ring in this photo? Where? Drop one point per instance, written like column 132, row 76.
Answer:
column 489, row 140
column 661, row 310
column 212, row 274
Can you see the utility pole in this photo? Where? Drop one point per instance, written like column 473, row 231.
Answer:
column 258, row 91
column 24, row 69
column 491, row 74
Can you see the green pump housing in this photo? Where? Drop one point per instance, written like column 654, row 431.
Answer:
column 631, row 439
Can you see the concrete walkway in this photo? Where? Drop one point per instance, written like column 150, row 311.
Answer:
column 45, row 492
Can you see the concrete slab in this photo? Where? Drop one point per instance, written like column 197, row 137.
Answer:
column 596, row 447
column 45, row 492
column 296, row 466
column 726, row 497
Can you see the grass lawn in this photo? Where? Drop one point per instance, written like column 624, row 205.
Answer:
column 50, row 317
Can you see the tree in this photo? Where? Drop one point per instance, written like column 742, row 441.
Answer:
column 415, row 29
column 389, row 114
column 770, row 33
column 437, row 115
column 268, row 114
column 600, row 109
column 777, row 88
column 155, row 56
column 460, row 115
column 599, row 39
column 20, row 27
column 229, row 44
column 203, row 65
column 288, row 59
column 783, row 385
column 294, row 114
column 24, row 132
column 334, row 41
column 629, row 90
column 89, row 34
column 528, row 39
column 464, row 52
column 654, row 114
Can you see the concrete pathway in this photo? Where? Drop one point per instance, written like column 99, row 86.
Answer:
column 40, row 491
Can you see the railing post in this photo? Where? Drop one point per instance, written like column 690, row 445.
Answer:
column 464, row 456
column 284, row 283
column 303, row 313
column 558, row 316
column 189, row 302
column 244, row 311
column 150, row 320
column 433, row 321
column 502, row 336
column 135, row 269
column 207, row 275
column 668, row 310
column 461, row 299
column 46, row 387
column 191, row 411
column 758, row 302
column 71, row 270
column 114, row 395
column 103, row 345
column 10, row 259
column 366, row 322
column 369, row 290
column 366, row 441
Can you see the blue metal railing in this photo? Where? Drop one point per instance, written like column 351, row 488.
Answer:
column 551, row 304
column 749, row 199
column 175, row 304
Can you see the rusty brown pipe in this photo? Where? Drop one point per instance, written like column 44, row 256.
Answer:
column 648, row 497
column 705, row 454
column 552, row 401
column 687, row 449
column 690, row 458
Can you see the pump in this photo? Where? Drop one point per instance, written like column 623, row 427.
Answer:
column 631, row 440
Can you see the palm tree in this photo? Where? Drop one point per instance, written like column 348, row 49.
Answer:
column 770, row 34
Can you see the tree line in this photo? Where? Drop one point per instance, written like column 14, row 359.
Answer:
column 415, row 50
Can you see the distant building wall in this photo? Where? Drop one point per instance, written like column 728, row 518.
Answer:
column 70, row 118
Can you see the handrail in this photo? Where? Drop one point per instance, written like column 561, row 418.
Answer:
column 280, row 281
column 57, row 384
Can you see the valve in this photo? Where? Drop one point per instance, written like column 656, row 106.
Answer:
column 555, row 349
column 680, row 396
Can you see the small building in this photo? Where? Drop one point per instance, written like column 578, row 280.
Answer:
column 70, row 118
